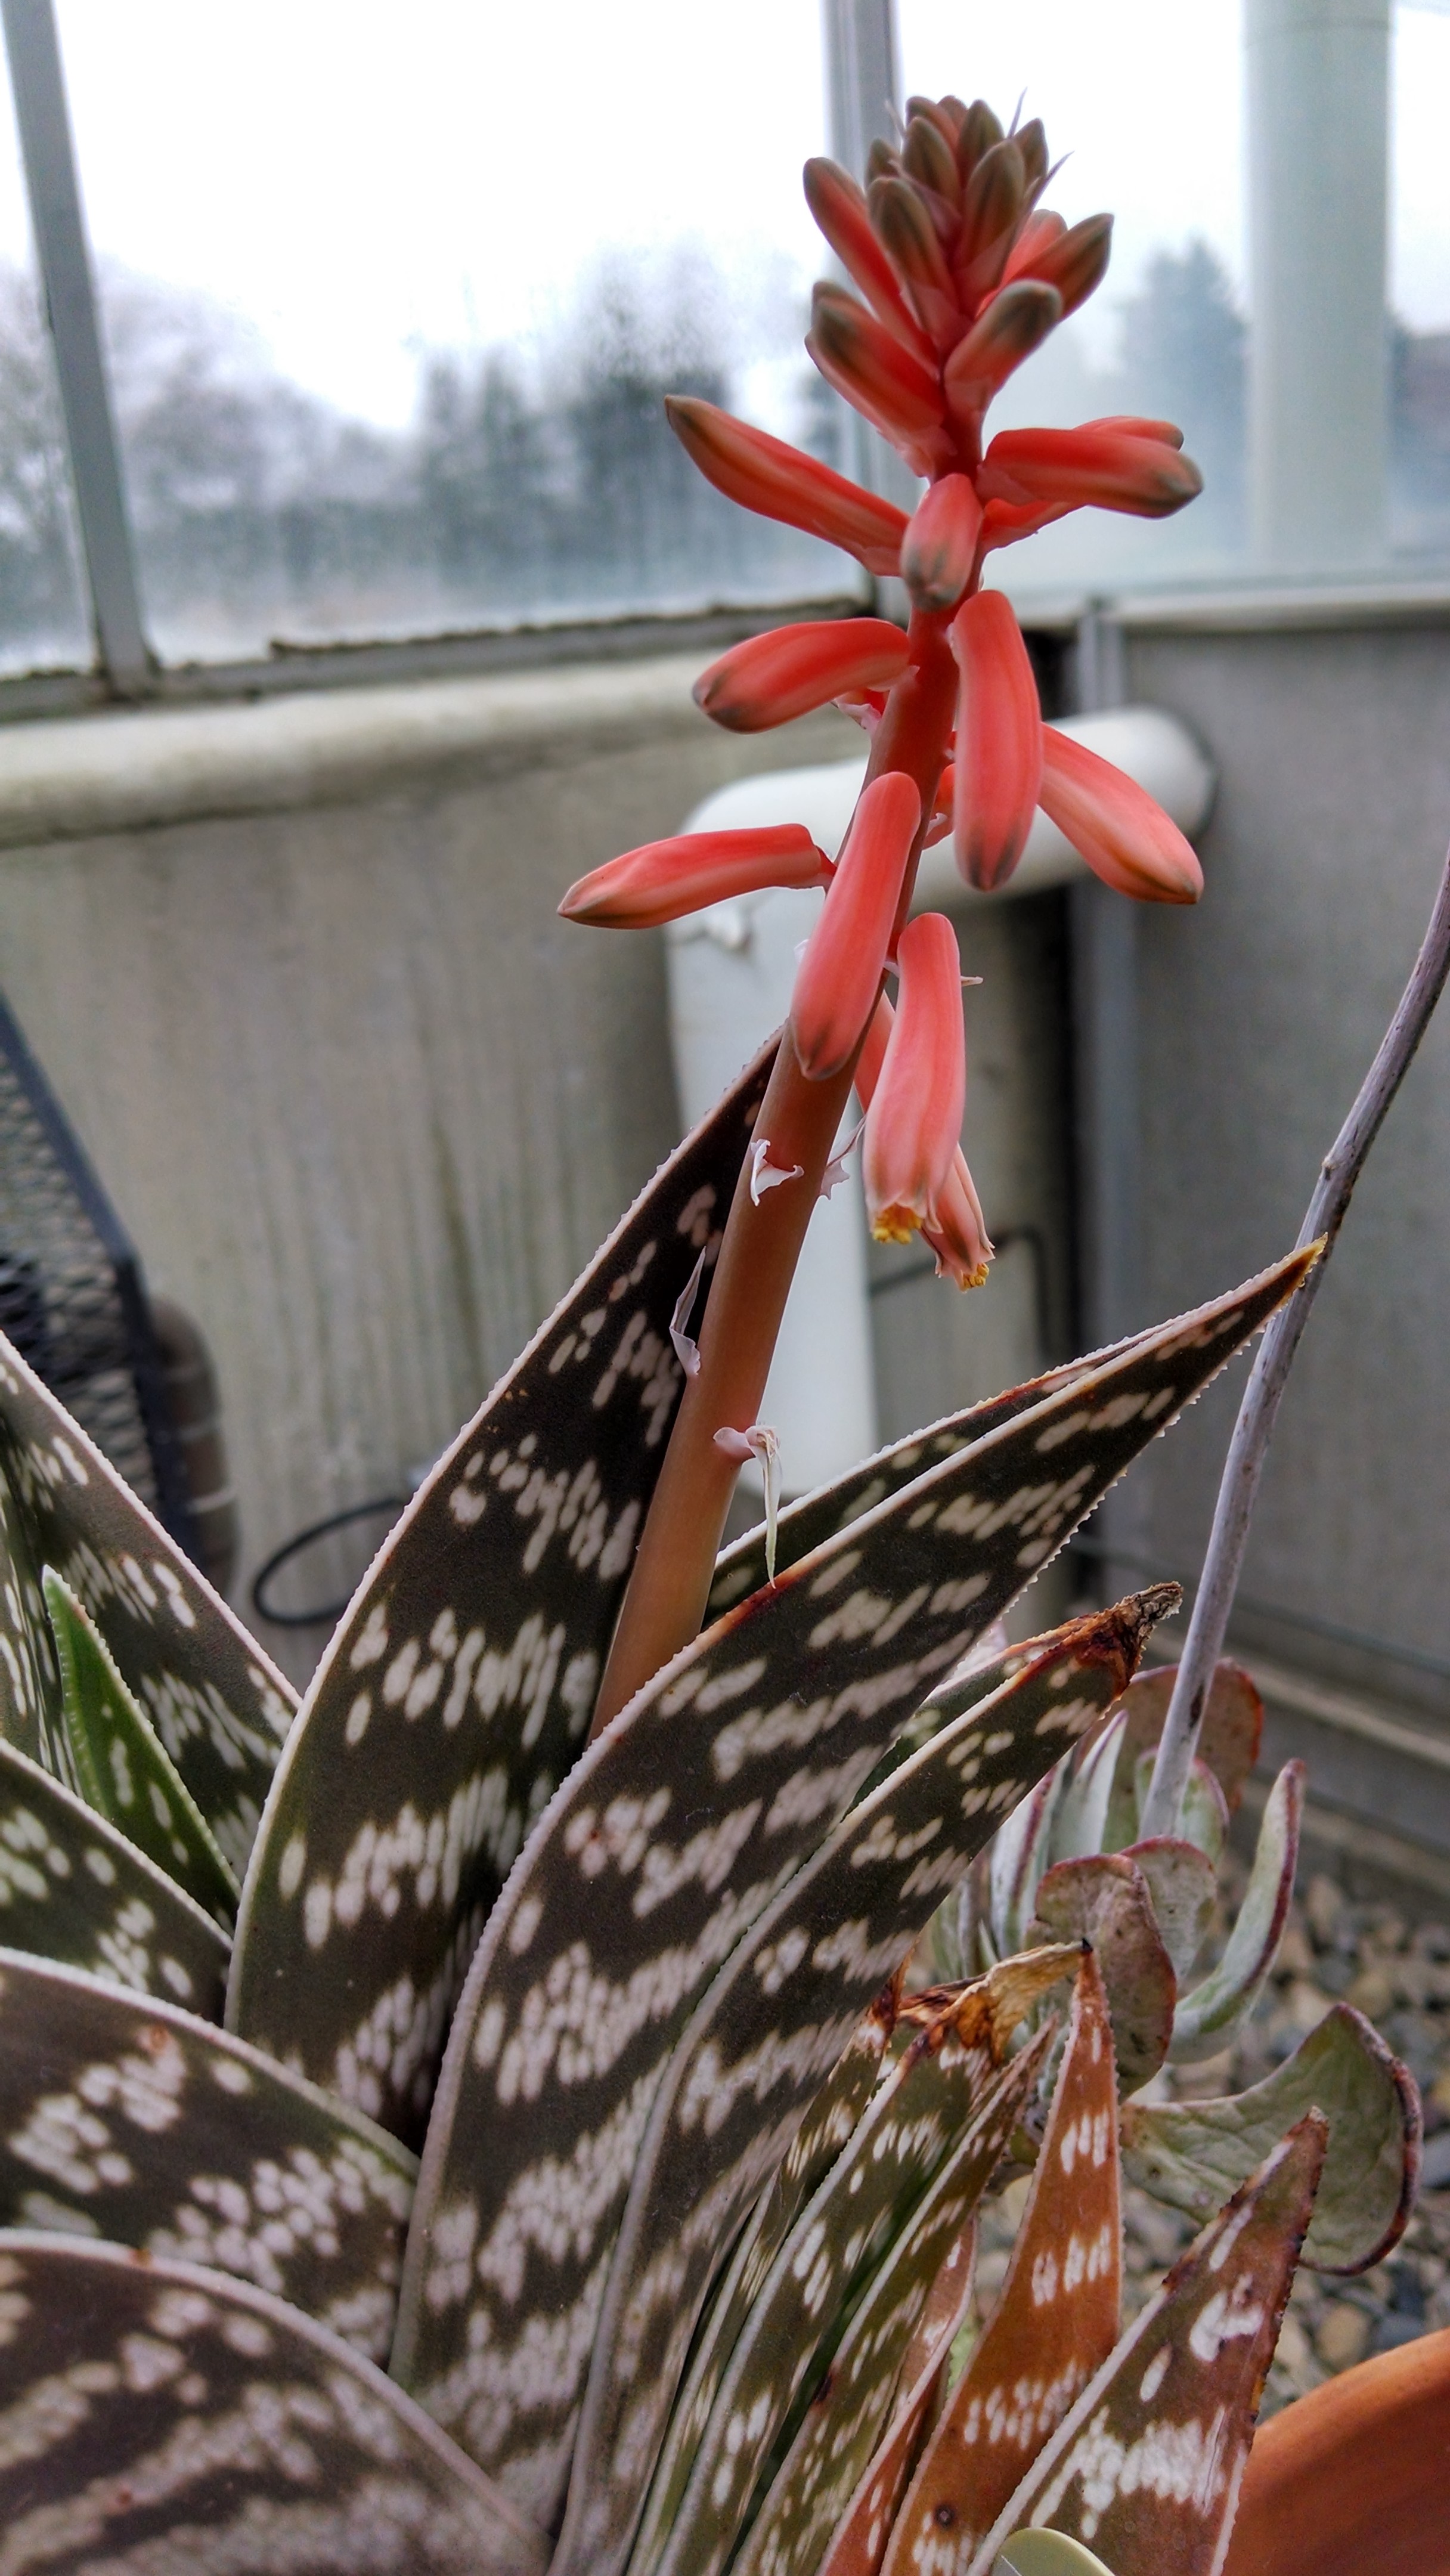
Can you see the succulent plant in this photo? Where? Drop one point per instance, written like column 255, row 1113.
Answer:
column 477, row 2119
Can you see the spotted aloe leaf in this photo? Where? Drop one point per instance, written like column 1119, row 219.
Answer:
column 1054, row 2324
column 858, row 2543
column 1016, row 1863
column 121, row 1765
column 827, row 2123
column 774, row 2022
column 662, row 1847
column 1191, row 2153
column 75, row 1890
column 1104, row 1898
column 815, row 1517
column 158, row 2415
column 1080, row 1823
column 840, row 2418
column 944, row 2100
column 123, row 2118
column 1145, row 2469
column 220, row 1708
column 30, row 1700
column 458, row 1688
column 1207, row 2018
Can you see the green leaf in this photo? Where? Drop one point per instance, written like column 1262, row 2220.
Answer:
column 122, row 1765
column 1183, row 1887
column 847, row 2410
column 1228, row 1741
column 1207, row 2018
column 773, row 2023
column 944, row 2101
column 828, row 2122
column 220, row 1708
column 126, row 2119
column 159, row 2416
column 73, row 1889
column 1104, row 1898
column 675, row 1830
column 1146, row 2468
column 458, row 1689
column 30, row 1704
column 1046, row 2553
column 1191, row 2153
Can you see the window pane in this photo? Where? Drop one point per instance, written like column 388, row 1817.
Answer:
column 44, row 623
column 393, row 297
column 1145, row 103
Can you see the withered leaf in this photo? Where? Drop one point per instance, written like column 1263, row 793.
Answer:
column 1054, row 2324
column 1145, row 2470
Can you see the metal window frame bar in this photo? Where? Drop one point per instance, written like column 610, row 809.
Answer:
column 37, row 81
column 862, row 78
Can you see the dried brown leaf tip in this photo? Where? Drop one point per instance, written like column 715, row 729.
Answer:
column 1145, row 2471
column 1056, row 2321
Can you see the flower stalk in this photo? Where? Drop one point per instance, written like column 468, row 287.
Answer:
column 961, row 274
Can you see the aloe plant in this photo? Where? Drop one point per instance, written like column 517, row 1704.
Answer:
column 478, row 2118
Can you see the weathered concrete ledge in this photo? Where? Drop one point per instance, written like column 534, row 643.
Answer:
column 71, row 778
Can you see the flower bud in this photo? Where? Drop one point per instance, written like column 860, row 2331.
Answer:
column 940, row 546
column 1075, row 262
column 667, row 879
column 842, row 214
column 1007, row 330
column 1094, row 467
column 881, row 379
column 770, row 679
column 991, row 209
column 903, row 224
column 779, row 482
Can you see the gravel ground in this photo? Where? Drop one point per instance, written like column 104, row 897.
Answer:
column 1397, row 1974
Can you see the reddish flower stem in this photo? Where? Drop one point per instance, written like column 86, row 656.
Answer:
column 668, row 1588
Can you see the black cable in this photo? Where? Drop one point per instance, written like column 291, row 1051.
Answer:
column 327, row 1612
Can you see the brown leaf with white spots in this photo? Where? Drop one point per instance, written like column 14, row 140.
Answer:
column 1146, row 2468
column 858, row 2544
column 1105, row 1899
column 1054, row 2324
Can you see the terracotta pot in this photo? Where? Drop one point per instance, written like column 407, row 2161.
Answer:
column 1354, row 2480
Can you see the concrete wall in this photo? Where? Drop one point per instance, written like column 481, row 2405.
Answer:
column 365, row 1104
column 1259, row 1015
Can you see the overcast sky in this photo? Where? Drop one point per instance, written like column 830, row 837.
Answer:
column 360, row 181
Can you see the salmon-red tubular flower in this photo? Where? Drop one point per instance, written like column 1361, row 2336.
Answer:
column 842, row 214
column 959, row 1238
column 1098, row 466
column 940, row 545
column 839, row 976
column 777, row 481
column 770, row 678
column 1074, row 262
column 667, row 879
column 1007, row 330
column 882, row 380
column 998, row 765
column 1114, row 824
column 914, row 1124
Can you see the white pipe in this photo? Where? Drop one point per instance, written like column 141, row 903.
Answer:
column 1318, row 152
column 730, row 975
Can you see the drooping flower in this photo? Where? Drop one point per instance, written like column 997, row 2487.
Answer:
column 914, row 1123
column 839, row 976
column 959, row 1237
column 997, row 772
column 1115, row 825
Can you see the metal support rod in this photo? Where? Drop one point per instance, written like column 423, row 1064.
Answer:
column 38, row 84
column 1248, row 1448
